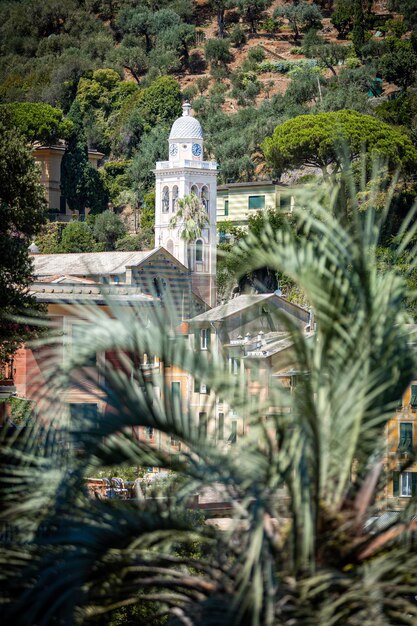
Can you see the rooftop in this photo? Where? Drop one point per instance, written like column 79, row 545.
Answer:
column 86, row 263
column 232, row 307
column 186, row 127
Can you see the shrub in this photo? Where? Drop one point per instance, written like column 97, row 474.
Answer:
column 237, row 37
column 256, row 54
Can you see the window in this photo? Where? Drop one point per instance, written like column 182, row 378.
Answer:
column 149, row 432
column 204, row 338
column 62, row 204
column 226, row 208
column 205, row 197
column 285, row 203
column 256, row 202
column 79, row 333
column 85, row 411
column 199, row 251
column 170, row 246
column 194, row 190
column 176, row 395
column 413, row 400
column 234, row 365
column 165, row 200
column 406, row 437
column 404, row 484
column 233, row 434
column 220, row 427
column 174, row 198
column 202, row 425
column 222, row 236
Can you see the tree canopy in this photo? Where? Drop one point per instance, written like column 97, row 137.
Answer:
column 38, row 122
column 323, row 139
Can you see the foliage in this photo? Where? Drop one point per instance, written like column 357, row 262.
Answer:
column 107, row 228
column 22, row 213
column 190, row 217
column 38, row 122
column 49, row 238
column 253, row 11
column 321, row 140
column 283, row 67
column 77, row 237
column 342, row 17
column 399, row 64
column 217, row 52
column 301, row 550
column 301, row 15
column 237, row 36
column 359, row 27
column 143, row 240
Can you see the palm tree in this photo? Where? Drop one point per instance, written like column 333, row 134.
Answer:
column 191, row 215
column 302, row 483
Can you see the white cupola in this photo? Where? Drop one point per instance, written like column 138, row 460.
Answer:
column 186, row 137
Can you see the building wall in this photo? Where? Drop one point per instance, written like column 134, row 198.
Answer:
column 49, row 159
column 398, row 454
column 237, row 196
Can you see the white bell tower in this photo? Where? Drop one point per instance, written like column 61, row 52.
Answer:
column 186, row 173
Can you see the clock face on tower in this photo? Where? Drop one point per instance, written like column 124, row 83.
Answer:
column 196, row 149
column 173, row 149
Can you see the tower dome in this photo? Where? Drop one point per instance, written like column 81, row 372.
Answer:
column 186, row 126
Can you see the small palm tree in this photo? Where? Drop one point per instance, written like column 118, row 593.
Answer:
column 302, row 482
column 192, row 217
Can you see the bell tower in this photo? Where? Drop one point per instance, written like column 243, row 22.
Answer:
column 186, row 173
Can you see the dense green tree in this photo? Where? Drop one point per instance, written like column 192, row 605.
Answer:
column 108, row 228
column 399, row 64
column 80, row 182
column 38, row 122
column 342, row 18
column 153, row 147
column 142, row 240
column 22, row 213
column 300, row 16
column 253, row 11
column 359, row 27
column 323, row 140
column 408, row 9
column 328, row 55
column 77, row 237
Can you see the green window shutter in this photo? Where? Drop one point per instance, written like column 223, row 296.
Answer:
column 226, row 208
column 197, row 339
column 396, row 483
column 220, row 433
column 414, row 483
column 406, row 437
column 196, row 386
column 208, row 338
column 256, row 202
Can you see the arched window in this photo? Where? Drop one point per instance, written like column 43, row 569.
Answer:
column 170, row 246
column 174, row 198
column 199, row 251
column 205, row 197
column 165, row 200
column 194, row 190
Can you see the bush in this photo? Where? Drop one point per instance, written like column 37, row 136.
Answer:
column 238, row 37
column 283, row 67
column 256, row 54
column 217, row 52
column 77, row 237
column 108, row 228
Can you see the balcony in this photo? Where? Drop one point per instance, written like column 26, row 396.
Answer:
column 197, row 165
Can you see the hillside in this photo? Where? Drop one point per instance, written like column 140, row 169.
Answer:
column 120, row 68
